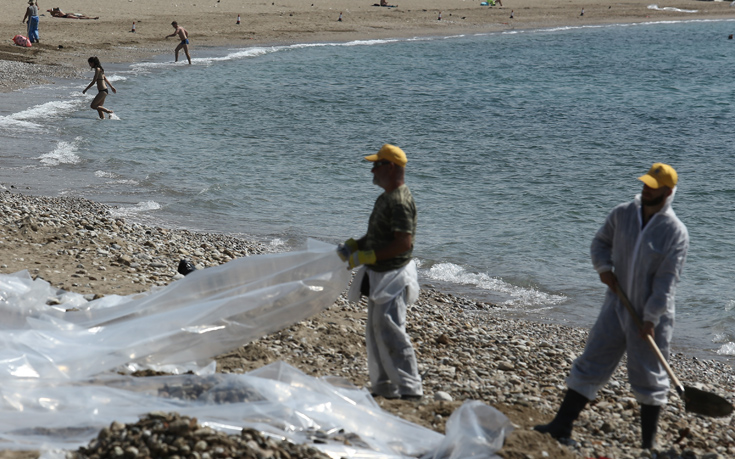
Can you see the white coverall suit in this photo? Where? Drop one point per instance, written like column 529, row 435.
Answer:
column 391, row 359
column 647, row 263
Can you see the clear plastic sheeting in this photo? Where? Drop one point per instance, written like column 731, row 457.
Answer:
column 473, row 430
column 277, row 399
column 209, row 312
column 59, row 354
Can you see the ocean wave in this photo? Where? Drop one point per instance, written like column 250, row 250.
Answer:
column 369, row 42
column 520, row 296
column 142, row 67
column 136, row 209
column 726, row 349
column 8, row 122
column 115, row 178
column 277, row 243
column 104, row 174
column 53, row 108
column 670, row 8
column 64, row 153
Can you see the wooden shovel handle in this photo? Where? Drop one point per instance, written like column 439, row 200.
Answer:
column 624, row 298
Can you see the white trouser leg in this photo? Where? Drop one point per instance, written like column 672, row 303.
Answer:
column 391, row 358
column 602, row 353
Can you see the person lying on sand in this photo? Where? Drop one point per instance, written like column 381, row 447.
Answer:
column 384, row 3
column 57, row 13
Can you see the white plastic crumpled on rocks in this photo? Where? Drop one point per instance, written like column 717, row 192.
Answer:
column 59, row 353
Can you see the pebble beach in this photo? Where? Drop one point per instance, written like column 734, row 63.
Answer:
column 467, row 350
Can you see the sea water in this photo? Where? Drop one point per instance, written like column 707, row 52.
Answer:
column 519, row 144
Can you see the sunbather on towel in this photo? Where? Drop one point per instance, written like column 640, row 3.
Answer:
column 57, row 13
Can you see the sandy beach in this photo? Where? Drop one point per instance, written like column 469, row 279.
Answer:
column 466, row 348
column 65, row 44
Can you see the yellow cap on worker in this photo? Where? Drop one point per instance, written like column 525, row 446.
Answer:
column 390, row 153
column 660, row 175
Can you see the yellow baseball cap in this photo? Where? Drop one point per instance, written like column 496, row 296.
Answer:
column 389, row 153
column 660, row 175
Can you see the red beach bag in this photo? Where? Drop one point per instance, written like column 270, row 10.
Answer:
column 20, row 40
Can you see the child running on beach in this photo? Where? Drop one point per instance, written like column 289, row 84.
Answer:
column 102, row 83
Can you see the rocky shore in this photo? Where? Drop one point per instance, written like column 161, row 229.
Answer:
column 466, row 349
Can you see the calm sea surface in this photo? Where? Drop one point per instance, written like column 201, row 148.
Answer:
column 519, row 144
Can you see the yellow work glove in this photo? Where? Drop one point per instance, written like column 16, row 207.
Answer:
column 362, row 257
column 347, row 248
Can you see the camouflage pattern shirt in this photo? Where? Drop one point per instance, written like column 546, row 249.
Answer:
column 394, row 211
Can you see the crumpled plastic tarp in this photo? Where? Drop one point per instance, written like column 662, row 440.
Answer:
column 473, row 430
column 59, row 353
column 209, row 312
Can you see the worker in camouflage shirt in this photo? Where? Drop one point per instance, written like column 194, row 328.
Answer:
column 388, row 278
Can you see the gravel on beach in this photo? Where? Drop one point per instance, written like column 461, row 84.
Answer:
column 16, row 75
column 466, row 349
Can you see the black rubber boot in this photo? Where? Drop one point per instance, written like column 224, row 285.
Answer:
column 561, row 427
column 649, row 425
column 185, row 267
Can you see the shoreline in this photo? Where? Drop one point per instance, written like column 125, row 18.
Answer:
column 465, row 348
column 66, row 43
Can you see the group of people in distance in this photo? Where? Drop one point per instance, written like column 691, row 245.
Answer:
column 102, row 82
column 639, row 250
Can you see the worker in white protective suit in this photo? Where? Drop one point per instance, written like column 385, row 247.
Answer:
column 641, row 248
column 388, row 278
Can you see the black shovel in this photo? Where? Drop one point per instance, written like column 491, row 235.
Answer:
column 695, row 400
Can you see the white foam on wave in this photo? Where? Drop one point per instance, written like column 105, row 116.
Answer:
column 8, row 122
column 726, row 349
column 670, row 8
column 136, row 209
column 721, row 338
column 25, row 118
column 105, row 174
column 64, row 153
column 277, row 243
column 606, row 26
column 114, row 178
column 520, row 296
column 46, row 110
column 243, row 53
column 730, row 305
column 369, row 42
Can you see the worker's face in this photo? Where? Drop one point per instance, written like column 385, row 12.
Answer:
column 381, row 172
column 654, row 196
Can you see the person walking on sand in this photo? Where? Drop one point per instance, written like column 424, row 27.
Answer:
column 32, row 17
column 102, row 83
column 184, row 44
column 388, row 278
column 639, row 250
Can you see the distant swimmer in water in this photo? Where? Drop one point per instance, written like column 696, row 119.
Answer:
column 184, row 36
column 102, row 83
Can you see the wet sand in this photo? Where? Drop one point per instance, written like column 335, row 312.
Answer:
column 67, row 43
